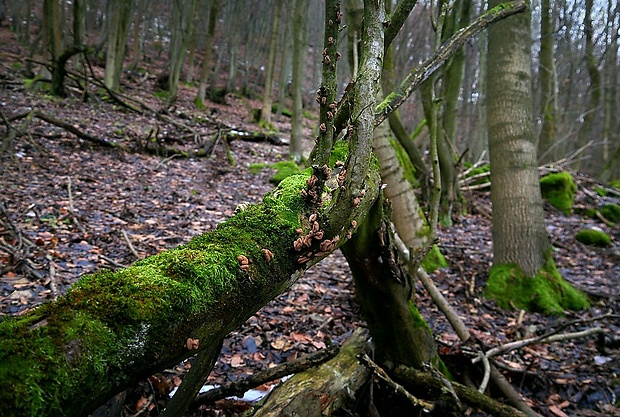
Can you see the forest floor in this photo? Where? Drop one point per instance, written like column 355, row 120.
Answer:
column 82, row 207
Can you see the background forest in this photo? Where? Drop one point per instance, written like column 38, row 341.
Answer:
column 129, row 127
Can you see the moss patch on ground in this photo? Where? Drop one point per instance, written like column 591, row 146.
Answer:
column 434, row 260
column 546, row 292
column 611, row 212
column 559, row 190
column 482, row 170
column 593, row 237
column 283, row 169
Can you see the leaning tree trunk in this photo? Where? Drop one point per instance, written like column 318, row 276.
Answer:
column 113, row 328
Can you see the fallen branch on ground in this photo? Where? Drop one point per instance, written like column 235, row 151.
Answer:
column 238, row 388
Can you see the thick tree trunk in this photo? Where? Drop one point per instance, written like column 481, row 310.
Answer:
column 113, row 328
column 523, row 273
column 519, row 233
column 384, row 291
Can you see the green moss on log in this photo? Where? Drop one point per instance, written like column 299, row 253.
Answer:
column 559, row 190
column 71, row 355
column 546, row 292
column 593, row 237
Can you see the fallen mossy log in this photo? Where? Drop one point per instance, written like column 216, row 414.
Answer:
column 113, row 329
column 240, row 387
column 323, row 390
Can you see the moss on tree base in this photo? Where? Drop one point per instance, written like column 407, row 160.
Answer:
column 546, row 292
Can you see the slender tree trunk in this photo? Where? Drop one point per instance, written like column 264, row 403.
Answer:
column 192, row 41
column 205, row 68
column 546, row 73
column 591, row 112
column 285, row 61
column 265, row 114
column 299, row 76
column 182, row 17
column 120, row 11
column 139, row 20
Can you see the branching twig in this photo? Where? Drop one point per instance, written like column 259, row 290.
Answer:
column 131, row 248
column 240, row 387
column 535, row 340
column 376, row 370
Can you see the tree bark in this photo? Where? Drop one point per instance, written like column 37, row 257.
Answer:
column 265, row 114
column 205, row 68
column 117, row 37
column 519, row 233
column 546, row 80
column 182, row 18
column 591, row 112
column 384, row 291
column 324, row 390
column 299, row 64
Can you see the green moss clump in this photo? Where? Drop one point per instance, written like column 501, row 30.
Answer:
column 615, row 183
column 601, row 191
column 263, row 124
column 482, row 169
column 593, row 237
column 559, row 190
column 340, row 152
column 546, row 292
column 611, row 212
column 405, row 163
column 283, row 169
column 434, row 260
